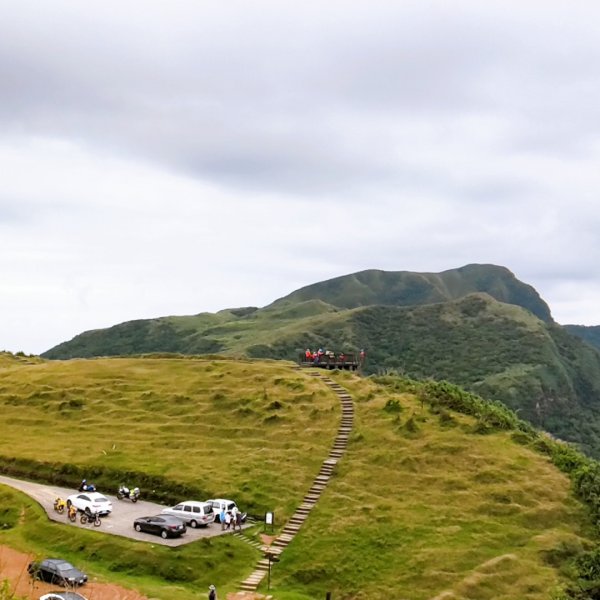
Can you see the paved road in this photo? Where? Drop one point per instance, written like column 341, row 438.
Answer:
column 120, row 521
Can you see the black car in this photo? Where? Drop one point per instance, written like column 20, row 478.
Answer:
column 163, row 525
column 56, row 570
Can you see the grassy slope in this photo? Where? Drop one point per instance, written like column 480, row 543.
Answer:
column 229, row 329
column 229, row 427
column 435, row 511
column 499, row 350
column 411, row 512
column 404, row 288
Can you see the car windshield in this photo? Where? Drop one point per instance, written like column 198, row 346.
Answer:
column 65, row 566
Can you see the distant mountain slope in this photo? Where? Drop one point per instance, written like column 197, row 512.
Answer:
column 403, row 288
column 589, row 333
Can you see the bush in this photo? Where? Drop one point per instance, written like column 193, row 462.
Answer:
column 392, row 406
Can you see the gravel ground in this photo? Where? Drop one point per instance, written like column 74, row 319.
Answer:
column 119, row 522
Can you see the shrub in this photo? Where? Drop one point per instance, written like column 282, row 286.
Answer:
column 393, row 406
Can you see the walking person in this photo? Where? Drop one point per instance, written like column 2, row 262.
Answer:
column 222, row 518
column 227, row 520
column 234, row 512
column 212, row 592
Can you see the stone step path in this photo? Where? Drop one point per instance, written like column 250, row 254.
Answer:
column 292, row 527
column 240, row 536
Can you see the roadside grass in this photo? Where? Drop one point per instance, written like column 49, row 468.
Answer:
column 433, row 510
column 255, row 432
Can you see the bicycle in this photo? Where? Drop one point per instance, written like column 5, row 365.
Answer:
column 89, row 518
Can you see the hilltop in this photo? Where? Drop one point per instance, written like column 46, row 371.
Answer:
column 477, row 326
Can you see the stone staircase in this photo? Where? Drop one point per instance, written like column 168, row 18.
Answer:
column 292, row 527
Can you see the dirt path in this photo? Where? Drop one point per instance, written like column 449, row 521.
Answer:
column 13, row 567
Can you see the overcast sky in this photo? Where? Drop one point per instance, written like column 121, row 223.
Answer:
column 162, row 158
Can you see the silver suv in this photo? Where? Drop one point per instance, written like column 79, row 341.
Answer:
column 192, row 513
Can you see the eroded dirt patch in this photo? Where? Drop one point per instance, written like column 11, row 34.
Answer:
column 13, row 567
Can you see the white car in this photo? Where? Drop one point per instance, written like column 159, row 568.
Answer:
column 91, row 503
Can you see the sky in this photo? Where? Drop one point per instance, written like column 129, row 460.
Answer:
column 172, row 158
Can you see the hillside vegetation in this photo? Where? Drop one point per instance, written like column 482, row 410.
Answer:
column 589, row 333
column 477, row 326
column 403, row 288
column 214, row 428
column 446, row 507
column 427, row 502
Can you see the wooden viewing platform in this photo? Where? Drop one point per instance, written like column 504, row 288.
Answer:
column 349, row 361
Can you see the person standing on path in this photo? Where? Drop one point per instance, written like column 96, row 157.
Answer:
column 227, row 520
column 222, row 518
column 212, row 592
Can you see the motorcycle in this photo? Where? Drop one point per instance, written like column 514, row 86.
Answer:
column 125, row 492
column 84, row 486
column 72, row 513
column 90, row 518
column 59, row 505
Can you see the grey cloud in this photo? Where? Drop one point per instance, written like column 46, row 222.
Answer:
column 246, row 105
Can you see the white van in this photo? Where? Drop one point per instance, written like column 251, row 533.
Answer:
column 219, row 504
column 192, row 513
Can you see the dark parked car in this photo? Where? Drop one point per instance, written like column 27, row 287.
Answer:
column 163, row 525
column 56, row 570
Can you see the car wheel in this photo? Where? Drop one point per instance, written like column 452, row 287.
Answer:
column 163, row 534
column 137, row 527
column 193, row 524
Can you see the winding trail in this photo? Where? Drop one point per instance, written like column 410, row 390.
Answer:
column 311, row 498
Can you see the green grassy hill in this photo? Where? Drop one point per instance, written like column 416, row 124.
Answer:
column 477, row 326
column 438, row 496
column 404, row 288
column 237, row 330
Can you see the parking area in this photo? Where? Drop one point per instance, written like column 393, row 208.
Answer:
column 119, row 522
